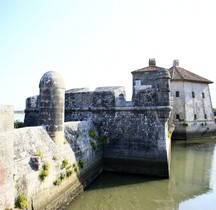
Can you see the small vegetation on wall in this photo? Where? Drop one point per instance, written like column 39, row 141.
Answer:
column 81, row 163
column 18, row 124
column 21, row 201
column 92, row 134
column 45, row 171
column 57, row 182
column 93, row 145
column 38, row 153
column 76, row 167
column 169, row 135
column 64, row 163
column 185, row 124
column 67, row 170
column 55, row 157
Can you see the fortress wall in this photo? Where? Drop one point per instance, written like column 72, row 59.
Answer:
column 32, row 111
column 137, row 143
column 137, row 133
column 6, row 157
column 32, row 141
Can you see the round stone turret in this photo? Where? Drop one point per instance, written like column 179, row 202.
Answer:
column 52, row 104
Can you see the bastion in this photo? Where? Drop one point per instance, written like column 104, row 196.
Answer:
column 72, row 136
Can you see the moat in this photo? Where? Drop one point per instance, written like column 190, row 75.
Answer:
column 192, row 184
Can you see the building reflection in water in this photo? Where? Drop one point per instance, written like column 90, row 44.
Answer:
column 191, row 170
column 191, row 178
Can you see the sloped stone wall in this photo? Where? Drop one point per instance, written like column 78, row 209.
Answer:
column 6, row 157
column 34, row 142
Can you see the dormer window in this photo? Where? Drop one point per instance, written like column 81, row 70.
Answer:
column 137, row 82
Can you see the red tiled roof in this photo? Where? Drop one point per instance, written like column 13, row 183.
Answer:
column 178, row 73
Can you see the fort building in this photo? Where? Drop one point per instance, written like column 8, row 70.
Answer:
column 192, row 111
column 72, row 136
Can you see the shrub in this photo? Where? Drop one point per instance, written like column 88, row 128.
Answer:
column 64, row 163
column 69, row 172
column 43, row 174
column 21, row 201
column 38, row 153
column 55, row 157
column 18, row 124
column 81, row 163
column 57, row 182
column 185, row 124
column 76, row 167
column 92, row 133
column 93, row 145
column 46, row 166
column 62, row 176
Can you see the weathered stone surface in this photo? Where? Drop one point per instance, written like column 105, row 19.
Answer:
column 6, row 157
column 77, row 147
column 110, row 133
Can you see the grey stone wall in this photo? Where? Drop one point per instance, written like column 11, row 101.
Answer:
column 32, row 142
column 6, row 157
column 32, row 111
column 135, row 130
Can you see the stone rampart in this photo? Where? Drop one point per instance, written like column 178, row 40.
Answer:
column 84, row 164
column 6, row 157
column 103, row 132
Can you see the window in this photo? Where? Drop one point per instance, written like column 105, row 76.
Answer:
column 203, row 95
column 137, row 82
column 195, row 117
column 193, row 95
column 178, row 117
column 205, row 116
column 177, row 93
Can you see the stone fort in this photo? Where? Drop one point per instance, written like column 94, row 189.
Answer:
column 84, row 133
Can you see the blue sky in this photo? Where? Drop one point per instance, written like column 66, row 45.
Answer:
column 94, row 43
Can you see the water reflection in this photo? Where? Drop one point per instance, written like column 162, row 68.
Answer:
column 191, row 186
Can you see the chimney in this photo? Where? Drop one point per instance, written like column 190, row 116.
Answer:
column 175, row 63
column 152, row 62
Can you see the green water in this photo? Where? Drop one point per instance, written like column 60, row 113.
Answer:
column 192, row 184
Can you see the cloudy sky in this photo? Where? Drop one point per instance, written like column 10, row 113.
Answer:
column 94, row 43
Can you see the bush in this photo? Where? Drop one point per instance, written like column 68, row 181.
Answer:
column 43, row 174
column 57, row 182
column 81, row 163
column 62, row 176
column 185, row 124
column 64, row 163
column 93, row 145
column 76, row 167
column 69, row 172
column 18, row 124
column 21, row 201
column 92, row 134
column 46, row 166
column 55, row 157
column 38, row 153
